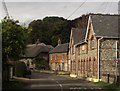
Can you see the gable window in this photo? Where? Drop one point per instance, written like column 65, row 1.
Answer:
column 92, row 44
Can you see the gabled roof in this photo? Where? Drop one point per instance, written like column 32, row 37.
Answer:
column 78, row 35
column 33, row 50
column 61, row 48
column 105, row 25
column 79, row 32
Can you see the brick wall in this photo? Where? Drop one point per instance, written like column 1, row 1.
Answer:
column 58, row 61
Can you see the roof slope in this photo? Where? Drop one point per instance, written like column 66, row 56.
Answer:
column 105, row 25
column 60, row 48
column 79, row 32
column 78, row 35
column 33, row 50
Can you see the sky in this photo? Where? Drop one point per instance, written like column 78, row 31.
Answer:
column 26, row 11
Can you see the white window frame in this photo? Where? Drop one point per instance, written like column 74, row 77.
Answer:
column 83, row 47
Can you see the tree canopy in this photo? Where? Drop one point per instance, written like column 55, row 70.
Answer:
column 14, row 39
column 49, row 30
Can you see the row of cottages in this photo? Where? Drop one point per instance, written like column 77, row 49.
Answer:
column 58, row 57
column 37, row 50
column 93, row 48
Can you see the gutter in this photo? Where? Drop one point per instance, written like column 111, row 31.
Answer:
column 99, row 57
column 80, row 43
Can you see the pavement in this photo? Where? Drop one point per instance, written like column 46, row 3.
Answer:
column 49, row 81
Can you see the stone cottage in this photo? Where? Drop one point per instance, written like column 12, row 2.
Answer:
column 97, row 49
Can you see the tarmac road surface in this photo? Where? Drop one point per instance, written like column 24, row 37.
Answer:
column 48, row 81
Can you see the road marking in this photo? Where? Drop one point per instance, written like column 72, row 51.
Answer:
column 59, row 85
column 52, row 79
column 57, row 82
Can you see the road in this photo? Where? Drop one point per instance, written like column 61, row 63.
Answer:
column 48, row 81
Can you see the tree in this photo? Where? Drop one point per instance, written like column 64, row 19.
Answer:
column 14, row 39
column 49, row 30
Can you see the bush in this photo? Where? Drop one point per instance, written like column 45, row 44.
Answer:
column 41, row 64
column 20, row 69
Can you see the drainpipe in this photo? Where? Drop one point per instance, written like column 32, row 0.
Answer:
column 116, row 62
column 99, row 58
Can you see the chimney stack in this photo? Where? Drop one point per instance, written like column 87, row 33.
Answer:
column 37, row 42
column 59, row 41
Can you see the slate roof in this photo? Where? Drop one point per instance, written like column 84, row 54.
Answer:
column 34, row 50
column 105, row 25
column 78, row 35
column 79, row 32
column 61, row 48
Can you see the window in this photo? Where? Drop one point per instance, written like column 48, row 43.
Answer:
column 74, row 65
column 79, row 65
column 92, row 44
column 84, row 67
column 62, row 56
column 62, row 66
column 72, row 49
column 78, row 50
column 56, row 56
column 83, row 47
column 94, row 67
column 50, row 57
column 72, row 45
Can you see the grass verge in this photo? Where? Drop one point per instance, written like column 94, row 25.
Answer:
column 108, row 85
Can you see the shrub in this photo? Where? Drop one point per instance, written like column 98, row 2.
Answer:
column 41, row 64
column 20, row 69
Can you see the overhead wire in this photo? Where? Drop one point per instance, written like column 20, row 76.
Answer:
column 109, row 8
column 105, row 9
column 76, row 9
column 98, row 10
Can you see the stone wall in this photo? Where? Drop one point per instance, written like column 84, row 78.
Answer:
column 108, row 69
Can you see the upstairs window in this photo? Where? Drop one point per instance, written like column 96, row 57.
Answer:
column 50, row 57
column 92, row 44
column 72, row 49
column 56, row 56
column 78, row 50
column 72, row 46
